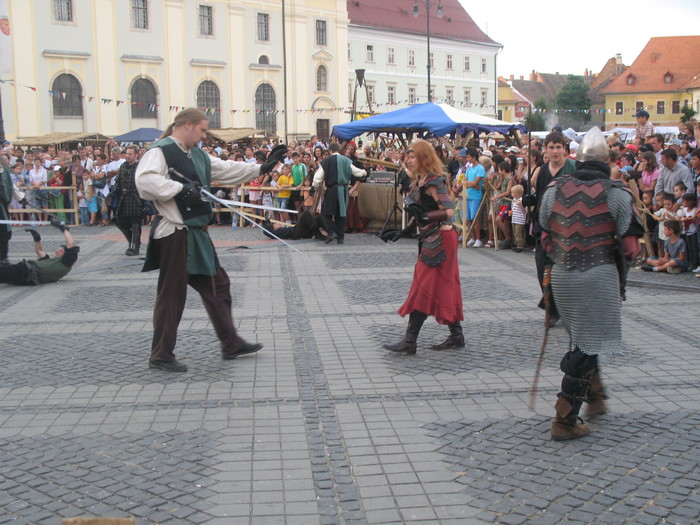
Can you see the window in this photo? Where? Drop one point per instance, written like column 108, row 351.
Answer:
column 370, row 93
column 467, row 97
column 320, row 32
column 448, row 64
column 484, row 96
column 143, row 99
column 619, row 108
column 370, row 53
column 390, row 55
column 265, row 117
column 209, row 101
column 263, row 27
column 264, row 60
column 630, row 80
column 206, row 20
column 676, row 107
column 431, row 62
column 321, row 78
column 391, row 95
column 660, row 107
column 668, row 78
column 638, row 106
column 483, row 65
column 467, row 64
column 411, row 58
column 449, row 96
column 411, row 95
column 323, row 128
column 63, row 10
column 139, row 14
column 67, row 96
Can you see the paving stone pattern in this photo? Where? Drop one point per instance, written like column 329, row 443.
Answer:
column 324, row 426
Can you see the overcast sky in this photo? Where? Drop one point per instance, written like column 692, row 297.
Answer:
column 568, row 37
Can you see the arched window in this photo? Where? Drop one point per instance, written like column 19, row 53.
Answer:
column 143, row 99
column 67, row 96
column 208, row 100
column 264, row 60
column 265, row 117
column 321, row 79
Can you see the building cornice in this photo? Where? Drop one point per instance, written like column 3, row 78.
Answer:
column 54, row 53
column 142, row 58
column 208, row 63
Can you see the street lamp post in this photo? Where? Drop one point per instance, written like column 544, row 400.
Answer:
column 440, row 13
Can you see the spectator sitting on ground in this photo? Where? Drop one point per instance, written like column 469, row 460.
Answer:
column 675, row 252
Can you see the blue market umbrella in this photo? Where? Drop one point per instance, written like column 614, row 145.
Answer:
column 140, row 135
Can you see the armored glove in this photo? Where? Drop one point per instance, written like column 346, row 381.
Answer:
column 35, row 234
column 276, row 155
column 191, row 193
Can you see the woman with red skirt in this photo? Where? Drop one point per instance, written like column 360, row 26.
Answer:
column 435, row 289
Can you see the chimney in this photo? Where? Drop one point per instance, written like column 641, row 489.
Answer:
column 618, row 58
column 533, row 75
column 512, row 77
column 585, row 73
column 522, row 78
column 556, row 73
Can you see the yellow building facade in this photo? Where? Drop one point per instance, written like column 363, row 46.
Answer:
column 664, row 108
column 110, row 66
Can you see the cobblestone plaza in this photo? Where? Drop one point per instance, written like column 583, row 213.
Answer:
column 323, row 425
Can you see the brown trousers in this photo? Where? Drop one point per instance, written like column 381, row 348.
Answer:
column 519, row 235
column 172, row 294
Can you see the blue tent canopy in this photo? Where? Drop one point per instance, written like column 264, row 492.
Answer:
column 140, row 135
column 438, row 119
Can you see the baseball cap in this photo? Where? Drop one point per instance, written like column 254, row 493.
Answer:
column 487, row 153
column 462, row 152
column 641, row 113
column 57, row 168
column 513, row 149
column 632, row 148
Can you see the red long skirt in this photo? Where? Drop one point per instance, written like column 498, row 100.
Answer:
column 436, row 291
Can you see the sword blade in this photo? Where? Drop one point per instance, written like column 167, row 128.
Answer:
column 225, row 203
column 26, row 223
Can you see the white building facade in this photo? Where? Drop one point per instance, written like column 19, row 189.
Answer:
column 115, row 65
column 391, row 45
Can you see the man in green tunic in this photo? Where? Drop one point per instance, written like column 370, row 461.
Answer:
column 179, row 244
column 45, row 269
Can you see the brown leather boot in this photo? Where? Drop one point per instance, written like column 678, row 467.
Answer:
column 565, row 425
column 454, row 340
column 408, row 345
column 596, row 397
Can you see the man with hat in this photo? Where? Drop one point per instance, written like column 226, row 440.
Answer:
column 588, row 254
column 644, row 128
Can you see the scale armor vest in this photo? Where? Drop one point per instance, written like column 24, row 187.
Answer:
column 582, row 229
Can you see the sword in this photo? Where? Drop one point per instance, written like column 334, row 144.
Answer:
column 26, row 223
column 249, row 205
column 211, row 196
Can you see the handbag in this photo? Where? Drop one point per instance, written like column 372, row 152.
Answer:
column 99, row 183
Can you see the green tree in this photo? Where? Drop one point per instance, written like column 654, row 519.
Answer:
column 573, row 96
column 687, row 113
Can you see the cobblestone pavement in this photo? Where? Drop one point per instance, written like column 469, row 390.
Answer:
column 323, row 425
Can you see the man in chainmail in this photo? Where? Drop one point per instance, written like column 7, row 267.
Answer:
column 590, row 238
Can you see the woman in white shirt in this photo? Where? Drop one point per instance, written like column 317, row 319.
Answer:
column 38, row 177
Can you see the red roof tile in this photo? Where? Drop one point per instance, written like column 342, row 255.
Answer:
column 397, row 15
column 677, row 55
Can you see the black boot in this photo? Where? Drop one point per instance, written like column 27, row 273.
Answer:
column 407, row 345
column 135, row 241
column 454, row 340
column 566, row 423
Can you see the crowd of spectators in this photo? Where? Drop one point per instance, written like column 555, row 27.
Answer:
column 491, row 181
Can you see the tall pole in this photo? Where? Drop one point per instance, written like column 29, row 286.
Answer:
column 427, row 16
column 284, row 62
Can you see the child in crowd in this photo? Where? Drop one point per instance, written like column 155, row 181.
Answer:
column 687, row 216
column 675, row 253
column 284, row 183
column 502, row 183
column 651, row 223
column 679, row 189
column 663, row 214
column 518, row 217
column 254, row 195
column 92, row 201
column 82, row 204
column 308, row 199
